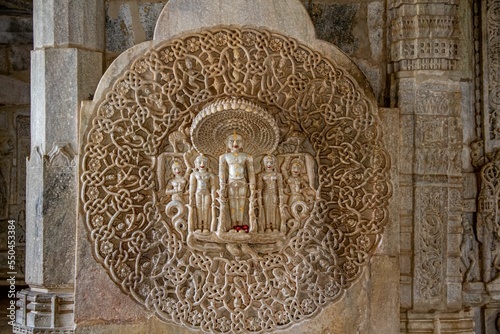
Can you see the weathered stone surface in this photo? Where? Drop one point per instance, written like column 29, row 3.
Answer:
column 99, row 300
column 280, row 15
column 16, row 30
column 55, row 116
column 148, row 14
column 19, row 56
column 16, row 7
column 4, row 60
column 63, row 23
column 119, row 27
column 391, row 238
column 383, row 295
column 14, row 92
column 341, row 33
column 52, row 190
column 130, row 23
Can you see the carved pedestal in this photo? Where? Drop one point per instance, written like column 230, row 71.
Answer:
column 44, row 313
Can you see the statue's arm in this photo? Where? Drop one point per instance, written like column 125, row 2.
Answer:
column 169, row 189
column 260, row 183
column 213, row 186
column 192, row 189
column 222, row 173
column 280, row 187
column 251, row 173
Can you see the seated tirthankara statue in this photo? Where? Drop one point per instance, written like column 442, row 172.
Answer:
column 237, row 187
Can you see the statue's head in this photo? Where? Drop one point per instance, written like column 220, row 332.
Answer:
column 269, row 162
column 176, row 167
column 297, row 166
column 201, row 162
column 234, row 142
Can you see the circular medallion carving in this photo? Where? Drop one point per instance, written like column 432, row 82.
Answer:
column 299, row 154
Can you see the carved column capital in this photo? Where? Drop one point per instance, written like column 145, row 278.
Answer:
column 423, row 35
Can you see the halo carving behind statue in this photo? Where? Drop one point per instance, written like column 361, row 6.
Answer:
column 218, row 120
column 315, row 208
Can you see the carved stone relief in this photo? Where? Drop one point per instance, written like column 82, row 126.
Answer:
column 469, row 250
column 488, row 224
column 429, row 247
column 492, row 68
column 234, row 180
column 412, row 46
column 14, row 145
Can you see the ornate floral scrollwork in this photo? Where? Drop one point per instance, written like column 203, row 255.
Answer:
column 488, row 223
column 318, row 217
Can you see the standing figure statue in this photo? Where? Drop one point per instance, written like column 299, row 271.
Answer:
column 270, row 196
column 236, row 176
column 202, row 186
column 298, row 187
column 177, row 183
column 470, row 253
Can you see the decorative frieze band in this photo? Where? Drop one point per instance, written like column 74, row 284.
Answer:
column 423, row 36
column 491, row 70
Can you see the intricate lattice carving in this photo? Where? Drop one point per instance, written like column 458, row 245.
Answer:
column 488, row 220
column 424, row 41
column 430, row 239
column 327, row 125
column 492, row 67
column 220, row 119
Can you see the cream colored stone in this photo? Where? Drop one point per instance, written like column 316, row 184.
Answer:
column 180, row 16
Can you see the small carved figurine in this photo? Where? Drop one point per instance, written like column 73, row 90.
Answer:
column 469, row 251
column 202, row 186
column 298, row 187
column 270, row 190
column 177, row 184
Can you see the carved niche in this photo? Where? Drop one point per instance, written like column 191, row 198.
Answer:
column 234, row 180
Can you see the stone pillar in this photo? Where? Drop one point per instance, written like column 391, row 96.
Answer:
column 488, row 158
column 425, row 86
column 65, row 69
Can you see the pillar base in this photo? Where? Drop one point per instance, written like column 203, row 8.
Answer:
column 437, row 322
column 44, row 312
